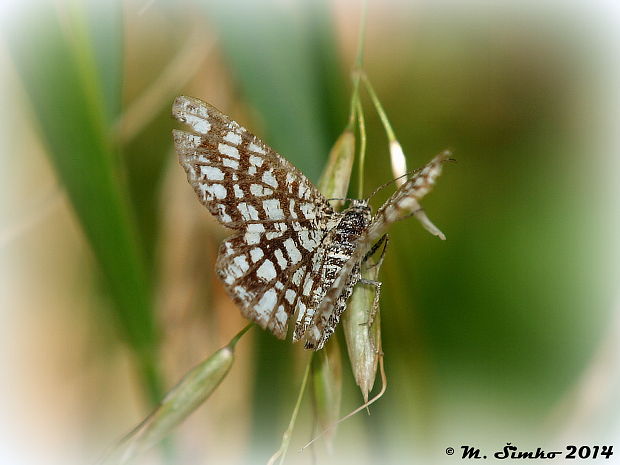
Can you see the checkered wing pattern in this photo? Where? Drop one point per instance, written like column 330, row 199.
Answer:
column 281, row 218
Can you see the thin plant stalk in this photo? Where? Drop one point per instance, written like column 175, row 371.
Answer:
column 365, row 405
column 362, row 152
column 286, row 437
column 357, row 68
column 397, row 156
column 380, row 111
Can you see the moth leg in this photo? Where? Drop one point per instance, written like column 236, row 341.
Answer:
column 375, row 302
column 385, row 240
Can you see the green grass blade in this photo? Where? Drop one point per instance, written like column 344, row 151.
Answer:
column 334, row 182
column 104, row 22
column 72, row 104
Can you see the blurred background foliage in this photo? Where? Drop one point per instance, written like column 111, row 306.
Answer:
column 491, row 336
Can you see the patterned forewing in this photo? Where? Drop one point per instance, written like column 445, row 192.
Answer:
column 280, row 215
column 238, row 177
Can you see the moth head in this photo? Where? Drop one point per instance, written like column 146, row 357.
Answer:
column 360, row 207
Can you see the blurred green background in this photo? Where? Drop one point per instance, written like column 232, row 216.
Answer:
column 506, row 332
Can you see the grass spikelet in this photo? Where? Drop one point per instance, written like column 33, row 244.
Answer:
column 334, row 182
column 362, row 331
column 182, row 400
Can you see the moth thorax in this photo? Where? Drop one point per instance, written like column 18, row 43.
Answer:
column 355, row 219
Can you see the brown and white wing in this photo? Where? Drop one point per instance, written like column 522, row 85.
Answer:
column 239, row 178
column 266, row 273
column 250, row 188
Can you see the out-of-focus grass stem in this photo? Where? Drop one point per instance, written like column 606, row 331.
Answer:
column 380, row 111
column 365, row 405
column 362, row 153
column 358, row 66
column 397, row 156
column 286, row 437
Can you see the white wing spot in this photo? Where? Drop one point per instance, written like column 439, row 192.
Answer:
column 259, row 190
column 308, row 286
column 290, row 177
column 281, row 315
column 266, row 271
column 212, row 173
column 255, row 148
column 248, row 212
column 236, row 268
column 228, row 150
column 265, row 304
column 233, row 138
column 229, row 248
column 242, row 263
column 238, row 192
column 229, row 162
column 291, row 208
column 303, row 190
column 292, row 251
column 282, row 263
column 256, row 254
column 298, row 275
column 302, row 310
column 272, row 209
column 256, row 161
column 252, row 238
column 252, row 170
column 282, row 227
column 198, row 124
column 255, row 228
column 269, row 178
column 225, row 217
column 215, row 190
column 308, row 210
column 307, row 242
column 290, row 296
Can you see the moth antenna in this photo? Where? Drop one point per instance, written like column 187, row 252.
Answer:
column 385, row 184
column 344, row 199
column 446, row 157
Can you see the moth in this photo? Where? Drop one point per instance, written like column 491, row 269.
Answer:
column 293, row 260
